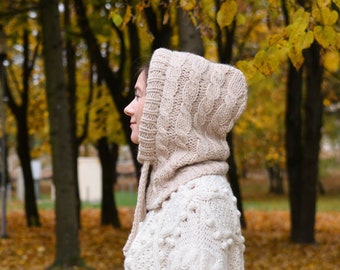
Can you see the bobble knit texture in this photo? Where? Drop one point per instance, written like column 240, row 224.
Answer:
column 197, row 228
column 190, row 106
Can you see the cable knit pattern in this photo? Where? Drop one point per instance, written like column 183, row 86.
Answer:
column 190, row 106
column 197, row 228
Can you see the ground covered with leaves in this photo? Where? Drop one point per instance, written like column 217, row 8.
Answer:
column 267, row 242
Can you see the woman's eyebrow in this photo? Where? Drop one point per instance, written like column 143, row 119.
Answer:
column 138, row 90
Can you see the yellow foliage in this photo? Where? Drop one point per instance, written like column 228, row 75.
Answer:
column 104, row 118
column 337, row 41
column 267, row 61
column 323, row 3
column 250, row 71
column 299, row 37
column 188, row 5
column 324, row 35
column 227, row 13
column 331, row 60
column 127, row 16
column 337, row 3
column 241, row 19
column 119, row 19
column 326, row 102
column 325, row 16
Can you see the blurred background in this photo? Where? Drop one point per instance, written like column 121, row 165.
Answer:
column 66, row 71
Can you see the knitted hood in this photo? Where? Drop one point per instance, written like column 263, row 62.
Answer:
column 190, row 106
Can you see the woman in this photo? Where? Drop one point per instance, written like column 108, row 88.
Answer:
column 186, row 215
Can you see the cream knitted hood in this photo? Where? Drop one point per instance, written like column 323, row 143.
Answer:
column 190, row 106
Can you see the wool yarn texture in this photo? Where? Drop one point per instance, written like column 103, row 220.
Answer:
column 190, row 105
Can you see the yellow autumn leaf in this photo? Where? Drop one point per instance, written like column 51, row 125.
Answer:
column 337, row 3
column 331, row 60
column 324, row 35
column 299, row 40
column 188, row 5
column 307, row 39
column 227, row 13
column 330, row 17
column 297, row 32
column 296, row 57
column 337, row 41
column 301, row 21
column 266, row 62
column 316, row 14
column 249, row 70
column 274, row 39
column 241, row 19
column 127, row 16
column 325, row 16
column 117, row 19
column 323, row 3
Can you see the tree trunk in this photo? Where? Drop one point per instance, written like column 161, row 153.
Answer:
column 23, row 149
column 294, row 145
column 160, row 31
column 32, row 216
column 72, row 88
column 31, row 210
column 275, row 178
column 233, row 180
column 67, row 239
column 312, row 137
column 189, row 36
column 108, row 154
column 225, row 55
column 303, row 148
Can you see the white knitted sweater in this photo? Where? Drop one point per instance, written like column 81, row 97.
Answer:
column 198, row 228
column 190, row 106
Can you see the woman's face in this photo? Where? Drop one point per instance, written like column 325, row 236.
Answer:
column 135, row 108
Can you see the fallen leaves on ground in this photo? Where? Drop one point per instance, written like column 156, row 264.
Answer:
column 268, row 245
column 267, row 242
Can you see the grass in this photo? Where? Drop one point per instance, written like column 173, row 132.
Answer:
column 278, row 203
column 123, row 198
column 255, row 193
column 255, row 197
column 254, row 189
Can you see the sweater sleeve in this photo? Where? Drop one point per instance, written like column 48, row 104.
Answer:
column 209, row 234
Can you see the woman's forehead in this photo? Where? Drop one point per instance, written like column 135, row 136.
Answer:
column 141, row 82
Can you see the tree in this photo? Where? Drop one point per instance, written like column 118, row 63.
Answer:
column 20, row 112
column 70, row 77
column 310, row 31
column 225, row 41
column 108, row 155
column 190, row 39
column 115, row 83
column 303, row 138
column 67, row 239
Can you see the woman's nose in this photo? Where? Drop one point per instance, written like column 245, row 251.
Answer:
column 128, row 110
